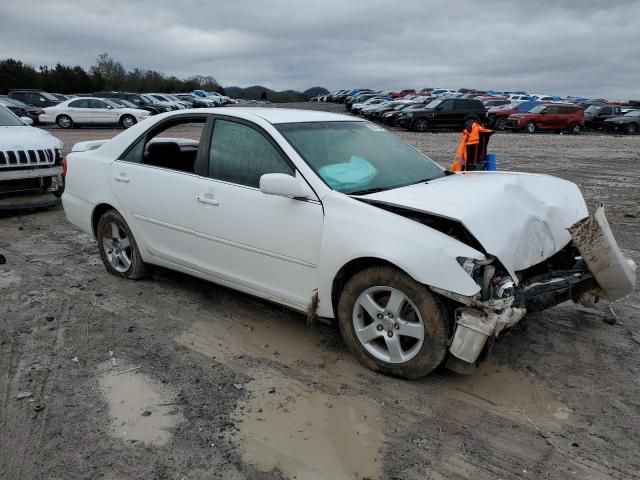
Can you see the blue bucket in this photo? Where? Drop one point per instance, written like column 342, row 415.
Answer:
column 490, row 162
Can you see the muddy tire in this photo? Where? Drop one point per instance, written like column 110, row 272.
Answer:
column 118, row 249
column 64, row 121
column 393, row 324
column 530, row 127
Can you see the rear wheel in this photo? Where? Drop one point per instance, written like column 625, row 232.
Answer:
column 420, row 125
column 632, row 129
column 392, row 323
column 118, row 249
column 530, row 127
column 64, row 121
column 127, row 121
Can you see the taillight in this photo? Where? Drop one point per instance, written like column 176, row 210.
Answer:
column 64, row 167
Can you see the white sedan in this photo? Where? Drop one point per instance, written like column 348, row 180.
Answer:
column 339, row 218
column 91, row 111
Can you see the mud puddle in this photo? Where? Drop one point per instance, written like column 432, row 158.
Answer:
column 140, row 409
column 308, row 434
column 509, row 392
column 259, row 334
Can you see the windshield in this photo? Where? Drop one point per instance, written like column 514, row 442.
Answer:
column 126, row 103
column 435, row 103
column 358, row 157
column 149, row 99
column 108, row 101
column 593, row 109
column 8, row 119
column 538, row 109
column 15, row 102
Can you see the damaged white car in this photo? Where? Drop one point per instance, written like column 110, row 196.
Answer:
column 339, row 218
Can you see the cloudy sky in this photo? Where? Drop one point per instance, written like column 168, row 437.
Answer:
column 581, row 47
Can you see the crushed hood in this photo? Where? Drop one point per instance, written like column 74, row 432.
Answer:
column 26, row 138
column 522, row 219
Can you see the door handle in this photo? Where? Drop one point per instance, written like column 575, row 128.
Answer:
column 121, row 178
column 207, row 199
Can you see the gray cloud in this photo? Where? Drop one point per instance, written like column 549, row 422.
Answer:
column 586, row 48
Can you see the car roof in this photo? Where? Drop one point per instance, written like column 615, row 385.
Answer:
column 284, row 115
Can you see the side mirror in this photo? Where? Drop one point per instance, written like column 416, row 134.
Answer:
column 282, row 185
column 109, row 107
column 27, row 120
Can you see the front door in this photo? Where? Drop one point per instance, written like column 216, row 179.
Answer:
column 263, row 243
column 102, row 112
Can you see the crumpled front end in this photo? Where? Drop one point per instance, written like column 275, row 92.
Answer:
column 591, row 266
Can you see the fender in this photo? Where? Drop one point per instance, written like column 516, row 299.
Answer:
column 354, row 229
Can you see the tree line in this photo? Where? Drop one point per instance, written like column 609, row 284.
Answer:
column 105, row 75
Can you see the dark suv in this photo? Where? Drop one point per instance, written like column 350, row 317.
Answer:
column 36, row 98
column 138, row 100
column 595, row 115
column 444, row 113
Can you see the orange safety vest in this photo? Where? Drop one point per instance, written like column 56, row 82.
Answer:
column 467, row 138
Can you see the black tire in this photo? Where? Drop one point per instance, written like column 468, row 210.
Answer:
column 575, row 129
column 64, row 121
column 137, row 269
column 500, row 123
column 420, row 125
column 632, row 129
column 434, row 317
column 530, row 127
column 127, row 121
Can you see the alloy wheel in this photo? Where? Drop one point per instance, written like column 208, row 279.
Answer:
column 117, row 247
column 388, row 324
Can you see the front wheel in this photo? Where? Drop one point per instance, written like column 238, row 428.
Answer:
column 392, row 323
column 632, row 129
column 530, row 127
column 420, row 125
column 500, row 124
column 118, row 249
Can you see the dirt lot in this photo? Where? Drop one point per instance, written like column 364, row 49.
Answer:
column 233, row 387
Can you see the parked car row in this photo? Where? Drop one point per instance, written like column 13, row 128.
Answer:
column 431, row 109
column 103, row 108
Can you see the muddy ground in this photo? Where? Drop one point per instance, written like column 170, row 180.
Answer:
column 177, row 378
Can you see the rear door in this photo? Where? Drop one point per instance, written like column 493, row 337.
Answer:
column 80, row 111
column 155, row 188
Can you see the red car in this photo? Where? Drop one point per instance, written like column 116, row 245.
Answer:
column 550, row 117
column 403, row 93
